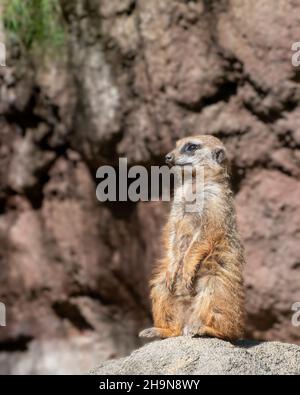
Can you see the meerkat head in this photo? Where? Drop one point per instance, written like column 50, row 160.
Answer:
column 196, row 151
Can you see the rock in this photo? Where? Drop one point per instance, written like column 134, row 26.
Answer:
column 195, row 356
column 58, row 356
column 268, row 212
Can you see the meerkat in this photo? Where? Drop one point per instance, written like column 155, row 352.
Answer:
column 197, row 287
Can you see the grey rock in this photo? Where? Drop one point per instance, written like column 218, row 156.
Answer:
column 185, row 355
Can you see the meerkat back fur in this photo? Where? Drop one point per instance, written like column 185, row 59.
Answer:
column 197, row 287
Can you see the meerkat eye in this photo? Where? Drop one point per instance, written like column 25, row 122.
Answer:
column 190, row 147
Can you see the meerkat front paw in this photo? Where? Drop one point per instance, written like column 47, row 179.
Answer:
column 171, row 277
column 188, row 281
column 150, row 332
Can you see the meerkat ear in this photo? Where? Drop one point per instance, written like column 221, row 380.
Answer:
column 219, row 155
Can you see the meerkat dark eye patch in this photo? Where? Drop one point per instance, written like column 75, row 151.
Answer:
column 219, row 155
column 190, row 148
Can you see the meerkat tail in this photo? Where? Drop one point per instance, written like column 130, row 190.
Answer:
column 160, row 333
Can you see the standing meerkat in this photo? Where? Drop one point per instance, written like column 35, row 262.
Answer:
column 197, row 288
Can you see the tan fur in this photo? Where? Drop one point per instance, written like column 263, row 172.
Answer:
column 197, row 288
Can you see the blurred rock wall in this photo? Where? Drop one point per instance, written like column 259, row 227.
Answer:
column 135, row 76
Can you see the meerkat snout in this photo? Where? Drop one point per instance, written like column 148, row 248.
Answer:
column 169, row 158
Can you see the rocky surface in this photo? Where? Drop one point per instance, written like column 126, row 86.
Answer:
column 192, row 356
column 136, row 76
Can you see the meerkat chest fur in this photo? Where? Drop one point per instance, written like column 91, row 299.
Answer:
column 196, row 237
column 186, row 226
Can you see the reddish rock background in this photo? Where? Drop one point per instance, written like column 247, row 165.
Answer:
column 133, row 78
